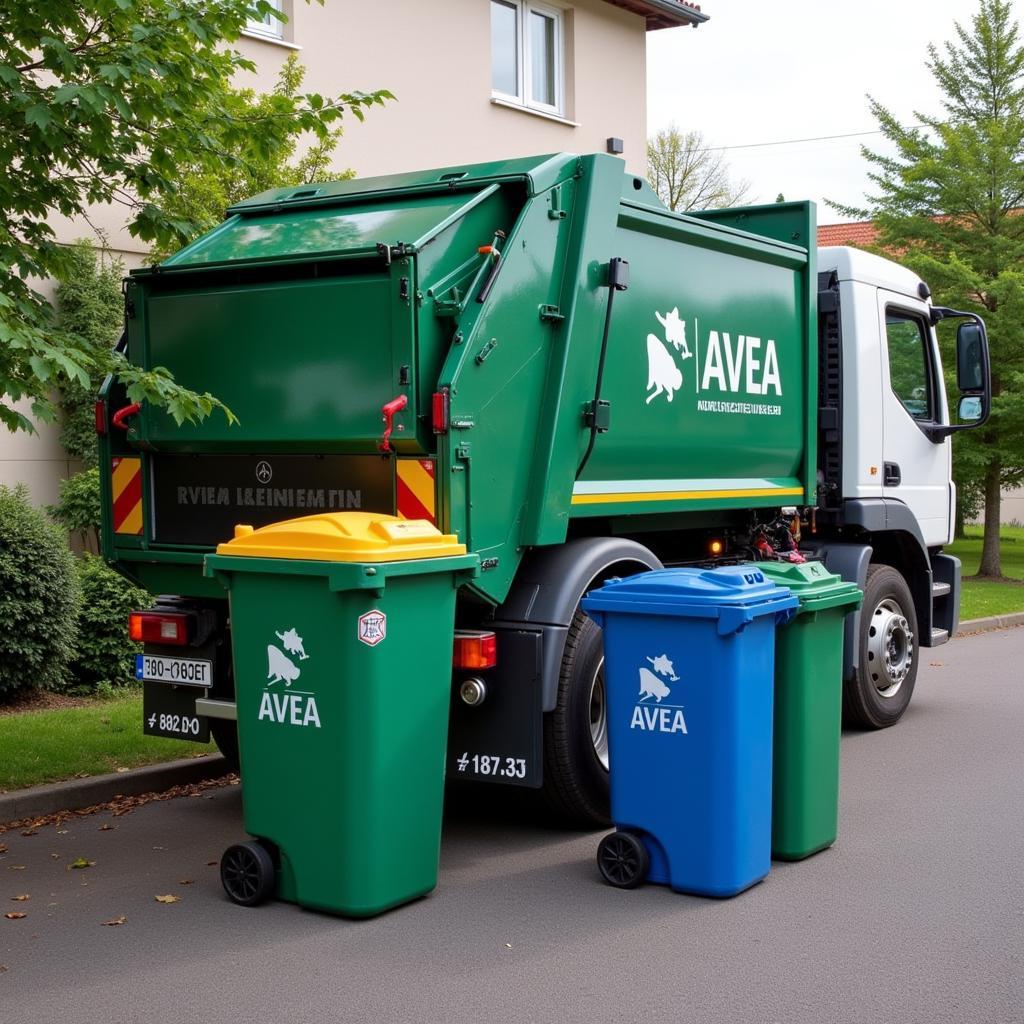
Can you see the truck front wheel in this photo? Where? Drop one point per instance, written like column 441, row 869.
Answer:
column 576, row 732
column 882, row 686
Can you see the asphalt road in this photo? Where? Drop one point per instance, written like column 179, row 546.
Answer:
column 916, row 915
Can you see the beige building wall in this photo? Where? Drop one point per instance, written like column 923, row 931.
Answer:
column 435, row 56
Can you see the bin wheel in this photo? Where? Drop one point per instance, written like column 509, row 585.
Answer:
column 623, row 860
column 880, row 690
column 247, row 873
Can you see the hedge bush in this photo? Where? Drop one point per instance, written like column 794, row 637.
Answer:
column 105, row 656
column 78, row 507
column 39, row 596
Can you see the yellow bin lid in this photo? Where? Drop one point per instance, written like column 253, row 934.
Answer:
column 344, row 537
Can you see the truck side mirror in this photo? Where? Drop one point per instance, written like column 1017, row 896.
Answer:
column 969, row 410
column 970, row 371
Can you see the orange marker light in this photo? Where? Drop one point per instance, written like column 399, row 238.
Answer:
column 716, row 547
column 475, row 650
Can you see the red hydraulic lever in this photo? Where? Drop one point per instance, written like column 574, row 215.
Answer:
column 119, row 417
column 389, row 409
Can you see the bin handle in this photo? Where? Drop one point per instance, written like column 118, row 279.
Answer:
column 389, row 409
column 119, row 417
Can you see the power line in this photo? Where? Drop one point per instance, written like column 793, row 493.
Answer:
column 793, row 142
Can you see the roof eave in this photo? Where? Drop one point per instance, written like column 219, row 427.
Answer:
column 663, row 13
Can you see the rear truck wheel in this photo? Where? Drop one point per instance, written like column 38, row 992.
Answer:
column 576, row 732
column 225, row 735
column 882, row 686
column 247, row 873
column 623, row 860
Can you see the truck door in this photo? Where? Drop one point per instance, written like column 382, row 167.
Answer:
column 916, row 469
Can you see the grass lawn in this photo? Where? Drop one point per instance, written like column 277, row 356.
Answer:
column 99, row 737
column 985, row 597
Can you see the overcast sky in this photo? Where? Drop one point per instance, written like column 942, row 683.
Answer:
column 765, row 72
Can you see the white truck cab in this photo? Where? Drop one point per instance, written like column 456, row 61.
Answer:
column 885, row 466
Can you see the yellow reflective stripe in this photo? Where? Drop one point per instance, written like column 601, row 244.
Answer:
column 752, row 492
column 419, row 482
column 123, row 473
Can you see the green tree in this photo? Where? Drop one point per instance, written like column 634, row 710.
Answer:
column 204, row 193
column 687, row 175
column 102, row 101
column 90, row 311
column 949, row 200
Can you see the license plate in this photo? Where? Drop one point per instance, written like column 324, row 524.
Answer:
column 170, row 711
column 180, row 671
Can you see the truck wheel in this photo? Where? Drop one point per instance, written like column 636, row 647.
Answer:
column 576, row 731
column 225, row 735
column 881, row 688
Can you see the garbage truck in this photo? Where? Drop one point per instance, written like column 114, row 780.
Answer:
column 539, row 358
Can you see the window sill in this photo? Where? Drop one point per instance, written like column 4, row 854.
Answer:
column 273, row 40
column 510, row 105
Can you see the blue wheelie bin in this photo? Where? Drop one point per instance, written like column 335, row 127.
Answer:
column 689, row 676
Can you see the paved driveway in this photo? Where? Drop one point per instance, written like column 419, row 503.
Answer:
column 917, row 914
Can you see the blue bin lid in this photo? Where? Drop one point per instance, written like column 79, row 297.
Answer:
column 734, row 594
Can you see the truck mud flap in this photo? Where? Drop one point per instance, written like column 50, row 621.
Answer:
column 501, row 739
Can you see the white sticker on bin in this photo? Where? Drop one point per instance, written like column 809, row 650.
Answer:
column 373, row 627
column 654, row 716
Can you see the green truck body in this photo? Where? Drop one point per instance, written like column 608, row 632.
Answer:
column 564, row 415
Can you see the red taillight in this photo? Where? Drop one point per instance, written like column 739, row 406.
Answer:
column 159, row 628
column 475, row 650
column 101, row 418
column 440, row 407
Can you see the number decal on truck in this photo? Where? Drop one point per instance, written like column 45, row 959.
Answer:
column 492, row 765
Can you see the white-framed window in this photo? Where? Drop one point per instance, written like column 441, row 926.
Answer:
column 269, row 26
column 527, row 54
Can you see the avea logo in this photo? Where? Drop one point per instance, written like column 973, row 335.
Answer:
column 741, row 364
column 723, row 363
column 648, row 717
column 289, row 709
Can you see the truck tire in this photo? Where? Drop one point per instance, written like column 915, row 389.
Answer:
column 225, row 735
column 576, row 732
column 882, row 686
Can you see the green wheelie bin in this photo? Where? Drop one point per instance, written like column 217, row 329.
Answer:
column 808, row 708
column 342, row 627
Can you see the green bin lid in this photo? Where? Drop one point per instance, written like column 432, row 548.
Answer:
column 814, row 586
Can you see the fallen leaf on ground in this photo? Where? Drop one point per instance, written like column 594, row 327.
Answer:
column 169, row 898
column 30, row 832
column 81, row 862
column 15, row 915
column 17, row 867
column 211, row 863
column 186, row 881
column 21, row 898
column 55, row 856
column 3, row 968
column 123, row 769
column 935, row 664
column 107, row 827
column 114, row 921
column 3, row 847
column 159, row 847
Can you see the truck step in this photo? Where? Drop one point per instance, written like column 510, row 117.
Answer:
column 940, row 590
column 939, row 637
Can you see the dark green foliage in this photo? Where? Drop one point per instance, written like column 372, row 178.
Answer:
column 78, row 509
column 38, row 597
column 91, row 311
column 105, row 656
column 103, row 101
column 949, row 201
